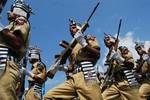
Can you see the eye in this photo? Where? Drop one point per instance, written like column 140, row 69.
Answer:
column 107, row 39
column 139, row 48
column 73, row 27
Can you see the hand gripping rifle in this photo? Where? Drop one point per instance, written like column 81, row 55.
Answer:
column 110, row 70
column 67, row 51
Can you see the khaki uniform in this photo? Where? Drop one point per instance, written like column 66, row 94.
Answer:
column 144, row 89
column 38, row 69
column 76, row 85
column 10, row 74
column 120, row 89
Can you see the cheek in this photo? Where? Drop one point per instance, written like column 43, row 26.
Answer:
column 75, row 30
column 139, row 52
column 11, row 15
column 109, row 43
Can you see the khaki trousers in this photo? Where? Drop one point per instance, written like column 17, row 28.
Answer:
column 76, row 86
column 30, row 95
column 121, row 91
column 8, row 81
column 144, row 91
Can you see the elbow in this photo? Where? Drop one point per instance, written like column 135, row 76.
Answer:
column 130, row 65
column 17, row 44
column 98, row 55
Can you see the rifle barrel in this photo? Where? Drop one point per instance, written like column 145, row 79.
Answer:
column 93, row 11
column 119, row 28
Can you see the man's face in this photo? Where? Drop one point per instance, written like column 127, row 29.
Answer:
column 33, row 60
column 125, row 52
column 108, row 41
column 139, row 50
column 73, row 29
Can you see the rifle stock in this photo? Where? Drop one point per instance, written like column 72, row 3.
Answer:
column 66, row 53
column 64, row 44
column 84, row 26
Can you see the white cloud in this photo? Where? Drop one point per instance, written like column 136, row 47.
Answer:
column 147, row 45
column 129, row 41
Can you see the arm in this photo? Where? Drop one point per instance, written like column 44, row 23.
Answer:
column 14, row 39
column 70, row 68
column 126, row 59
column 129, row 63
column 95, row 52
column 146, row 57
column 41, row 77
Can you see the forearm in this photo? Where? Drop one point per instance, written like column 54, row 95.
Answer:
column 146, row 57
column 129, row 65
column 70, row 68
column 93, row 51
column 42, row 75
column 11, row 39
column 37, row 78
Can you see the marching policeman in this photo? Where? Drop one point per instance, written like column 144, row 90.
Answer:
column 122, row 83
column 37, row 76
column 13, row 44
column 143, row 69
column 83, row 82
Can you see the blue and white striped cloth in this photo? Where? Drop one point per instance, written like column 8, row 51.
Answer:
column 38, row 90
column 3, row 59
column 131, row 77
column 88, row 70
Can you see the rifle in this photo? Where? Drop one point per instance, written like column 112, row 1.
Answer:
column 64, row 44
column 110, row 70
column 66, row 53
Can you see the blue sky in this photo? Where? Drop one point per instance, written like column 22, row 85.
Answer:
column 50, row 24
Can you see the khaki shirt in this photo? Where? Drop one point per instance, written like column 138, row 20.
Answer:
column 22, row 25
column 145, row 67
column 78, row 54
column 38, row 69
column 128, row 58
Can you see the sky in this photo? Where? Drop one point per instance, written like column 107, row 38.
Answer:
column 50, row 25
